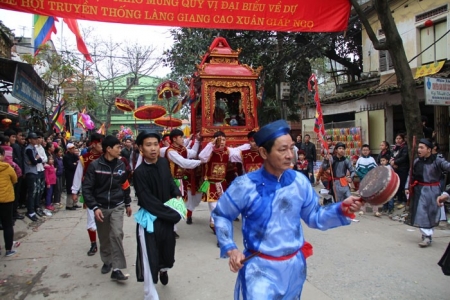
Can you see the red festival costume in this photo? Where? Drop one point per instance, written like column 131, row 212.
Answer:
column 214, row 173
column 251, row 160
column 180, row 174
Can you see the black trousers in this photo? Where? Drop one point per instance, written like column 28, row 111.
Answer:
column 6, row 219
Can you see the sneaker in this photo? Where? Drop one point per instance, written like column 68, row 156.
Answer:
column 93, row 249
column 18, row 216
column 40, row 212
column 33, row 217
column 50, row 208
column 163, row 277
column 70, row 208
column 76, row 206
column 189, row 220
column 176, row 235
column 400, row 206
column 395, row 218
column 425, row 242
column 118, row 275
column 48, row 213
column 377, row 214
column 10, row 253
column 106, row 268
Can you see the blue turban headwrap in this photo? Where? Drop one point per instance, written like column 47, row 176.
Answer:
column 271, row 131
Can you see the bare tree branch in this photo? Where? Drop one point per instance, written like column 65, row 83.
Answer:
column 373, row 37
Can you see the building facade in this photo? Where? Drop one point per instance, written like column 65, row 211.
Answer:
column 374, row 103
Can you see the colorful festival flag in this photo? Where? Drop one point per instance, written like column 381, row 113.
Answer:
column 44, row 26
column 80, row 121
column 319, row 126
column 102, row 129
column 73, row 26
column 59, row 115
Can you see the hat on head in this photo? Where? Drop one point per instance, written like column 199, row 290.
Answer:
column 340, row 144
column 70, row 145
column 146, row 134
column 426, row 142
column 271, row 131
column 32, row 135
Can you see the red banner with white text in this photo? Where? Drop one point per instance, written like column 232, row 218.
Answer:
column 281, row 15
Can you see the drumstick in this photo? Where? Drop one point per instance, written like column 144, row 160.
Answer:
column 250, row 257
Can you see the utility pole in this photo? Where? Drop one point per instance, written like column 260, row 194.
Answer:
column 285, row 91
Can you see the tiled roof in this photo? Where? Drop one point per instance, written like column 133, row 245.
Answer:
column 387, row 85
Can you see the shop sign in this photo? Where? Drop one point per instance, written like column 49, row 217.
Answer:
column 27, row 91
column 150, row 127
column 13, row 109
column 283, row 15
column 437, row 91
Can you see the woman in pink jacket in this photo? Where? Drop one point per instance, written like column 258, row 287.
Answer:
column 50, row 181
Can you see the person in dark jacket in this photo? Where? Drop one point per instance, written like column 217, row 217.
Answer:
column 299, row 141
column 154, row 185
column 310, row 153
column 31, row 159
column 70, row 162
column 127, row 149
column 385, row 151
column 107, row 192
column 400, row 163
column 18, row 159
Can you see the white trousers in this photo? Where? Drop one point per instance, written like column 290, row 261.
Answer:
column 193, row 200
column 150, row 292
column 91, row 220
column 427, row 231
column 212, row 206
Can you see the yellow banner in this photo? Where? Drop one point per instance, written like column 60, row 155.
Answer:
column 429, row 69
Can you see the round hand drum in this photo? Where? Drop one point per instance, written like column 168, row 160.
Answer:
column 379, row 185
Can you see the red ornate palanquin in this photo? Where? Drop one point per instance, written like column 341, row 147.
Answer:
column 227, row 99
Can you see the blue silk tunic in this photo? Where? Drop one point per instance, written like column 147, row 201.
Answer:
column 271, row 209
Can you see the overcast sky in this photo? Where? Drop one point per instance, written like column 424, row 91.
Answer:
column 22, row 24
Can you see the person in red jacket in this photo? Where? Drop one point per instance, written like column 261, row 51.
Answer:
column 50, row 181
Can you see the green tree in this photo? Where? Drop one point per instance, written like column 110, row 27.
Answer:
column 60, row 72
column 394, row 44
column 284, row 57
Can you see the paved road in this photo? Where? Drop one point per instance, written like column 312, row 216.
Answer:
column 372, row 259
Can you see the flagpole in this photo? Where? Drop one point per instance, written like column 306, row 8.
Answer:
column 61, row 39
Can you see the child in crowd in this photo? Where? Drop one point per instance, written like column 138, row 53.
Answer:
column 354, row 185
column 324, row 175
column 364, row 164
column 50, row 181
column 8, row 158
column 388, row 207
column 7, row 180
column 302, row 164
column 59, row 186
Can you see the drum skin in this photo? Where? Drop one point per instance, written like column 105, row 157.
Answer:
column 379, row 185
